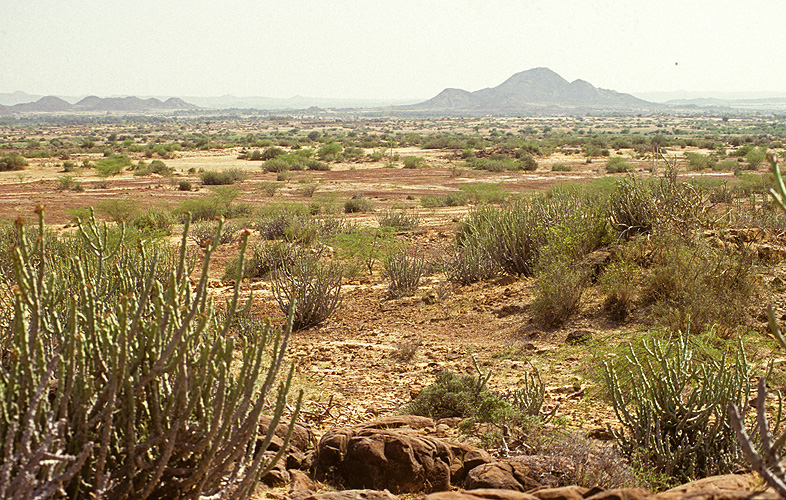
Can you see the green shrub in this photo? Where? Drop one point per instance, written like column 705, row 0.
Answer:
column 398, row 219
column 68, row 183
column 184, row 185
column 404, row 272
column 558, row 291
column 698, row 161
column 617, row 165
column 755, row 157
column 157, row 167
column 11, row 162
column 672, row 401
column 262, row 262
column 725, row 165
column 561, row 167
column 452, row 395
column 270, row 187
column 127, row 386
column 502, row 163
column 317, row 165
column 413, row 161
column 484, row 192
column 307, row 288
column 69, row 166
column 455, row 199
column 217, row 204
column 330, row 152
column 278, row 165
column 513, row 235
column 358, row 204
column 512, row 412
column 469, row 264
column 112, row 165
column 154, row 220
column 633, row 208
column 691, row 283
column 117, row 210
column 618, row 282
column 223, row 177
column 270, row 153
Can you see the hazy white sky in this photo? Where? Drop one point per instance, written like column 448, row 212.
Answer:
column 387, row 48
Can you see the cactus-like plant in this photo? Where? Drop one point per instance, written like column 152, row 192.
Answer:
column 125, row 386
column 766, row 455
column 404, row 272
column 672, row 407
column 308, row 287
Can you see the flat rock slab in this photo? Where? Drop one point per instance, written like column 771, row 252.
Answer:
column 726, row 487
column 352, row 495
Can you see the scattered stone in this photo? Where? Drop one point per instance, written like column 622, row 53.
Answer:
column 578, row 337
column 508, row 310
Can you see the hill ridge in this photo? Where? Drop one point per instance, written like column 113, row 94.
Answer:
column 534, row 91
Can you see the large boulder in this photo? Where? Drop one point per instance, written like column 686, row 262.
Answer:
column 394, row 453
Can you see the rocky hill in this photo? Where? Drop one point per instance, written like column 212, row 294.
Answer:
column 537, row 91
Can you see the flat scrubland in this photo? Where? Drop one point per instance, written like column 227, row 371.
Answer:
column 538, row 250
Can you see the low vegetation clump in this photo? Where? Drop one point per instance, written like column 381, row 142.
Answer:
column 156, row 167
column 11, row 162
column 358, row 204
column 413, row 161
column 222, row 177
column 112, row 165
column 154, row 221
column 485, row 192
column 690, row 283
column 398, row 219
column 502, row 163
column 618, row 165
column 404, row 272
column 496, row 417
column 220, row 203
column 455, row 199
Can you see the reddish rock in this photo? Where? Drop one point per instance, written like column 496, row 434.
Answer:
column 395, row 454
column 302, row 438
column 521, row 474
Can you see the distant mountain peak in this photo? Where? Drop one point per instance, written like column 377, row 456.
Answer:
column 133, row 104
column 534, row 91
